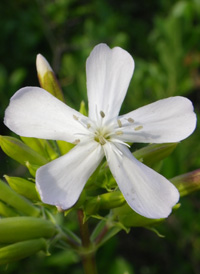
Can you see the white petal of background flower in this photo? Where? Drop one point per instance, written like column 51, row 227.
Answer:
column 167, row 120
column 34, row 112
column 109, row 72
column 146, row 191
column 61, row 181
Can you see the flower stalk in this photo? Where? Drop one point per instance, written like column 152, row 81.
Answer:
column 88, row 252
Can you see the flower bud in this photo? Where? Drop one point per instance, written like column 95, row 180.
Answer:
column 7, row 211
column 20, row 152
column 16, row 229
column 154, row 153
column 32, row 168
column 15, row 200
column 187, row 183
column 82, row 109
column 43, row 147
column 21, row 250
column 104, row 201
column 23, row 187
column 129, row 218
column 47, row 78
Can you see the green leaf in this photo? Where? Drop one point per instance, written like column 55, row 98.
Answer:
column 64, row 147
column 120, row 266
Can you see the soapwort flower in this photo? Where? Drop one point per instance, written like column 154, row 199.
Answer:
column 33, row 112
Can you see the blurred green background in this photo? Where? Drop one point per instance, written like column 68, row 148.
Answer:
column 163, row 36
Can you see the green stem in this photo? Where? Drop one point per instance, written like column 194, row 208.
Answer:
column 88, row 254
column 101, row 234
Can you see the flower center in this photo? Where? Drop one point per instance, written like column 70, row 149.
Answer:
column 103, row 131
column 102, row 135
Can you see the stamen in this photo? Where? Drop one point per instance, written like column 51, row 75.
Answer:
column 119, row 132
column 88, row 126
column 120, row 142
column 75, row 117
column 130, row 120
column 102, row 114
column 76, row 142
column 119, row 123
column 102, row 140
column 138, row 128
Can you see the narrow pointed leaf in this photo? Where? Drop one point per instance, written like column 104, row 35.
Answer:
column 64, row 147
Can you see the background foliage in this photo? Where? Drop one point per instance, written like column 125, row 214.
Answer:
column 164, row 38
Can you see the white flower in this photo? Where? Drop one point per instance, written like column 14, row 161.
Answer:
column 33, row 112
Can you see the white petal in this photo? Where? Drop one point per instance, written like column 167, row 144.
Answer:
column 61, row 181
column 34, row 112
column 168, row 120
column 42, row 65
column 146, row 191
column 109, row 72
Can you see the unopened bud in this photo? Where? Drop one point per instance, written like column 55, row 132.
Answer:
column 18, row 251
column 23, row 187
column 129, row 218
column 7, row 211
column 154, row 153
column 43, row 147
column 104, row 201
column 32, row 168
column 82, row 109
column 187, row 183
column 47, row 78
column 20, row 152
column 10, row 197
column 16, row 229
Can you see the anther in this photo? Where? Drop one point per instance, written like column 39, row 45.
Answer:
column 102, row 140
column 76, row 142
column 75, row 117
column 138, row 128
column 88, row 126
column 130, row 120
column 119, row 132
column 119, row 123
column 102, row 114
